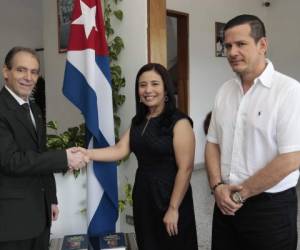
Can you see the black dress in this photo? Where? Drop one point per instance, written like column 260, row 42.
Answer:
column 152, row 143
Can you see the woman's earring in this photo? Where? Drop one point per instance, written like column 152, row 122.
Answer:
column 140, row 100
column 166, row 98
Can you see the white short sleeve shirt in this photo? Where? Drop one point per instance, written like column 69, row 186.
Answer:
column 253, row 128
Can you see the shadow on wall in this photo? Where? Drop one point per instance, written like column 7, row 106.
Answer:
column 206, row 122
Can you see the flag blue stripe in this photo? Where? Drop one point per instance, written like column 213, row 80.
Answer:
column 84, row 98
column 103, row 64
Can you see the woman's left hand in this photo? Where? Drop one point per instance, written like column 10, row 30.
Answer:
column 171, row 221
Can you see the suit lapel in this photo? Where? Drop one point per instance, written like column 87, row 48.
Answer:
column 22, row 117
column 19, row 113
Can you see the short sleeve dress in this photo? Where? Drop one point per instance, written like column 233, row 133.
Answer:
column 152, row 143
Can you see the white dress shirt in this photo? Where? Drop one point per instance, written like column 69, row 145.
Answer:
column 253, row 128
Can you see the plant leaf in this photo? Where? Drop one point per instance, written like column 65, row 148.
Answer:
column 118, row 14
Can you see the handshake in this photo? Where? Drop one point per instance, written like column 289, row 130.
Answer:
column 77, row 158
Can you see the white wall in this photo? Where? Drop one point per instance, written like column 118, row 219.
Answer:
column 20, row 25
column 58, row 107
column 284, row 36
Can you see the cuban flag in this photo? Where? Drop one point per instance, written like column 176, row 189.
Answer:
column 87, row 84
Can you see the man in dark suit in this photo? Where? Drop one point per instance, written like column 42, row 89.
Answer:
column 28, row 200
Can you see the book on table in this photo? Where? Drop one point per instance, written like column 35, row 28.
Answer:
column 111, row 241
column 75, row 242
column 114, row 241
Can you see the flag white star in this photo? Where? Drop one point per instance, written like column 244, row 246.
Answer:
column 87, row 18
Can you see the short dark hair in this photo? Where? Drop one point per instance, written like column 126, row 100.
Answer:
column 12, row 52
column 257, row 26
column 170, row 104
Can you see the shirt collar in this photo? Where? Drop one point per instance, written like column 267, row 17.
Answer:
column 265, row 78
column 17, row 98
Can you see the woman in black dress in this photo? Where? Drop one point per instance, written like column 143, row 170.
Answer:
column 163, row 141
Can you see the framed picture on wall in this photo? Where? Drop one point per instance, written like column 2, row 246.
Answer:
column 219, row 38
column 64, row 12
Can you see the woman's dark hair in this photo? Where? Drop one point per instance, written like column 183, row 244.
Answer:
column 170, row 104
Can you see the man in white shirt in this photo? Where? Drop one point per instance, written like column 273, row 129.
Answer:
column 253, row 147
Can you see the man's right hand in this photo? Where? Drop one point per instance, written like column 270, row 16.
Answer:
column 223, row 198
column 76, row 160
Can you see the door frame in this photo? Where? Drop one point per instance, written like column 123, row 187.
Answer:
column 157, row 45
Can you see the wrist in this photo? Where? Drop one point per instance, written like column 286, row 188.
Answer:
column 214, row 187
column 245, row 194
column 89, row 154
column 173, row 207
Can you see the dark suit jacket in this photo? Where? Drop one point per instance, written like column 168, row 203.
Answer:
column 27, row 184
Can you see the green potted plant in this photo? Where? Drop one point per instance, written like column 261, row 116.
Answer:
column 72, row 137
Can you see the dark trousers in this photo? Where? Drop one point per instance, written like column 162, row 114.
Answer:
column 39, row 243
column 265, row 222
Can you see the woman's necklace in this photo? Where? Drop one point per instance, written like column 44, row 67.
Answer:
column 146, row 125
column 148, row 120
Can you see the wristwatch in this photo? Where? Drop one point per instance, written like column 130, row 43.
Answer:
column 237, row 198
